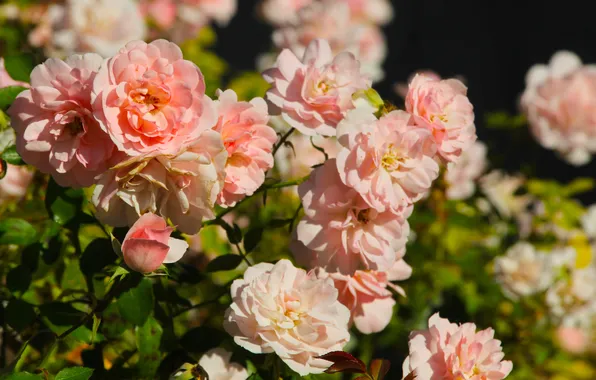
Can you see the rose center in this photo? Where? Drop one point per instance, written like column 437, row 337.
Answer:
column 391, row 159
column 364, row 216
column 153, row 97
column 443, row 118
column 75, row 127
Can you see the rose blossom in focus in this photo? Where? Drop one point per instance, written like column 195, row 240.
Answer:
column 216, row 362
column 367, row 296
column 6, row 80
column 340, row 232
column 148, row 244
column 96, row 26
column 442, row 106
column 448, row 351
column 54, row 124
column 462, row 174
column 182, row 187
column 150, row 100
column 249, row 142
column 500, row 189
column 523, row 271
column 559, row 102
column 389, row 161
column 280, row 308
column 314, row 94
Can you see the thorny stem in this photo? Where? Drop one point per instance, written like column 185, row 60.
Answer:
column 282, row 141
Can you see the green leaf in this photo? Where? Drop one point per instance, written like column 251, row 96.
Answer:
column 113, row 324
column 17, row 231
column 8, row 95
column 578, row 186
column 136, row 304
column 148, row 338
column 252, row 238
column 96, row 323
column 61, row 314
column 74, row 373
column 225, row 262
column 63, row 204
column 97, row 255
column 18, row 279
column 23, row 376
column 120, row 272
column 378, row 368
column 19, row 67
column 19, row 314
column 11, row 156
column 73, row 278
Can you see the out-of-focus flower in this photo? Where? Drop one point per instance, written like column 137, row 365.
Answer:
column 162, row 12
column 216, row 363
column 150, row 100
column 462, row 174
column 500, row 189
column 220, row 11
column 148, row 244
column 54, row 123
column 389, row 161
column 448, row 351
column 523, row 271
column 341, row 232
column 331, row 21
column 15, row 182
column 183, row 187
column 280, row 308
column 249, row 142
column 559, row 102
column 572, row 301
column 443, row 107
column 314, row 94
column 370, row 11
column 280, row 12
column 573, row 339
column 588, row 221
column 367, row 296
column 95, row 26
column 5, row 78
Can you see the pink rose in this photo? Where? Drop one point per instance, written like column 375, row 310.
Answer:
column 221, row 11
column 148, row 244
column 163, row 12
column 54, row 123
column 280, row 12
column 313, row 95
column 442, row 107
column 371, row 11
column 15, row 182
column 341, row 232
column 6, row 80
column 389, row 161
column 280, row 308
column 94, row 26
column 150, row 100
column 249, row 142
column 462, row 175
column 365, row 293
column 448, row 351
column 559, row 103
column 183, row 187
column 216, row 362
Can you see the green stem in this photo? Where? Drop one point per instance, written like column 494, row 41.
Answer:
column 282, row 140
column 202, row 304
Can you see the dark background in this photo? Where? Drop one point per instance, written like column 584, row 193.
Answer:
column 491, row 44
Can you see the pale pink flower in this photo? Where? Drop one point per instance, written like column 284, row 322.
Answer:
column 340, row 232
column 401, row 88
column 573, row 339
column 523, row 271
column 314, row 94
column 448, row 351
column 249, row 142
column 15, row 182
column 150, row 100
column 442, row 106
column 182, row 187
column 162, row 12
column 331, row 21
column 95, row 26
column 148, row 244
column 389, row 161
column 55, row 128
column 500, row 188
column 216, row 362
column 370, row 11
column 220, row 11
column 367, row 296
column 461, row 175
column 280, row 12
column 5, row 78
column 572, row 301
column 559, row 102
column 283, row 309
column 588, row 222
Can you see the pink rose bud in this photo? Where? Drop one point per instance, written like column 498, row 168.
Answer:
column 148, row 244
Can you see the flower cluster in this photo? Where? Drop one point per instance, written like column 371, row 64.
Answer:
column 558, row 101
column 139, row 126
